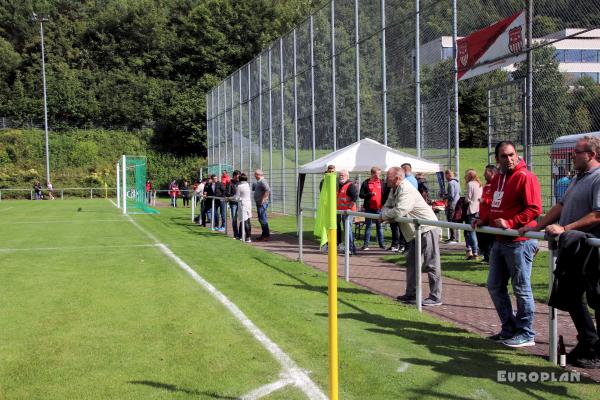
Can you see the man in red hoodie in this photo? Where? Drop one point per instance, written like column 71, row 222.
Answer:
column 516, row 202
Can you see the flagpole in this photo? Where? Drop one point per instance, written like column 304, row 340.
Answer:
column 332, row 285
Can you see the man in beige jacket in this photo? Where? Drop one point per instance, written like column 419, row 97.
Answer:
column 406, row 201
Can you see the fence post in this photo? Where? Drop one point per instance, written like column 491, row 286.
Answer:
column 384, row 74
column 193, row 206
column 243, row 230
column 282, row 122
column 357, row 67
column 62, row 194
column 91, row 193
column 553, row 313
column 212, row 213
column 418, row 262
column 333, row 61
column 300, row 235
column 347, row 228
column 0, row 195
column 31, row 194
column 224, row 203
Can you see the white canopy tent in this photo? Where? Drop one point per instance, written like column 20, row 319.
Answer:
column 367, row 153
column 361, row 157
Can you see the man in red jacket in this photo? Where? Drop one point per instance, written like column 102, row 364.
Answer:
column 516, row 202
column 370, row 192
column 485, row 240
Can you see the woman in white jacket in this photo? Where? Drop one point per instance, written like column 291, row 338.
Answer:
column 243, row 196
column 472, row 198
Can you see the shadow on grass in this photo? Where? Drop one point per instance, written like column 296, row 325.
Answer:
column 174, row 388
column 467, row 356
column 305, row 285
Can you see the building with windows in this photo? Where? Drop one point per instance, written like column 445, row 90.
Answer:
column 577, row 56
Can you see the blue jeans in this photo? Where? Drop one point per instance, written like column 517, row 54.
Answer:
column 222, row 206
column 513, row 260
column 262, row 218
column 378, row 226
column 233, row 207
column 471, row 237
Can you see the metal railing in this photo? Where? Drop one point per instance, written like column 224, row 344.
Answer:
column 62, row 191
column 225, row 200
column 552, row 246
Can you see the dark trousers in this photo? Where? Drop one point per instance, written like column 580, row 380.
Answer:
column 484, row 242
column 186, row 201
column 397, row 237
column 587, row 334
column 247, row 227
column 221, row 206
column 449, row 218
column 233, row 208
column 206, row 209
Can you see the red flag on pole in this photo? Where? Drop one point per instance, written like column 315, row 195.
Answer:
column 488, row 49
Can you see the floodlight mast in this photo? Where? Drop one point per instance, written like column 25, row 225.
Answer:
column 41, row 20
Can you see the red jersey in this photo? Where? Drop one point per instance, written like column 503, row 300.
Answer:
column 516, row 198
column 486, row 201
column 375, row 188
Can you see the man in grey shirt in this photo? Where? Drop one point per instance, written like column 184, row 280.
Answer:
column 261, row 198
column 579, row 210
column 453, row 194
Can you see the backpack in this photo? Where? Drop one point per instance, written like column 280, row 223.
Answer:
column 460, row 210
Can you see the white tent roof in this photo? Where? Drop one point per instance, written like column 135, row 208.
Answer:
column 367, row 153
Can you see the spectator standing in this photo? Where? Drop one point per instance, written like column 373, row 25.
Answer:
column 330, row 168
column 423, row 187
column 371, row 192
column 472, row 198
column 212, row 189
column 225, row 178
column 485, row 240
column 346, row 200
column 37, row 188
column 406, row 201
column 173, row 193
column 561, row 187
column 516, row 203
column 398, row 242
column 407, row 168
column 575, row 218
column 262, row 191
column 50, row 191
column 148, row 192
column 452, row 196
column 243, row 197
column 230, row 193
column 185, row 193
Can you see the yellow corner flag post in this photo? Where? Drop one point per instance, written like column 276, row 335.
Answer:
column 330, row 186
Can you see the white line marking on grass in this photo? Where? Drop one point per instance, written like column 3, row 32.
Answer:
column 403, row 367
column 267, row 389
column 124, row 246
column 62, row 221
column 297, row 376
column 6, row 209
